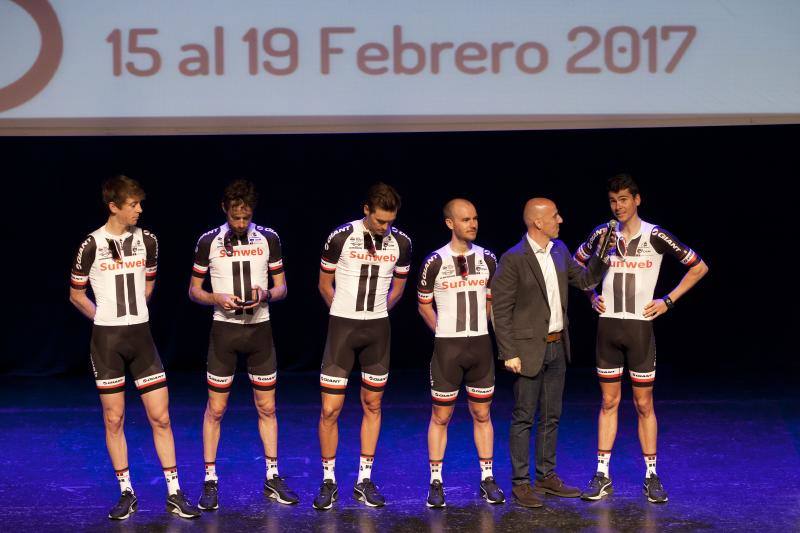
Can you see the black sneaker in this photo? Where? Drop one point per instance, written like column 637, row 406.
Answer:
column 179, row 505
column 277, row 489
column 598, row 487
column 436, row 495
column 491, row 492
column 208, row 500
column 654, row 490
column 367, row 492
column 328, row 493
column 125, row 507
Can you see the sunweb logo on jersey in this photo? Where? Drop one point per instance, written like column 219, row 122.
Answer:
column 122, row 265
column 365, row 256
column 464, row 283
column 246, row 251
column 624, row 263
column 44, row 68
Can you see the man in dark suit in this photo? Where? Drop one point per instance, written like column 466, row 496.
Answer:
column 529, row 296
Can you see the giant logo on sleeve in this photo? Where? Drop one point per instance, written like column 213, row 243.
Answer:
column 44, row 68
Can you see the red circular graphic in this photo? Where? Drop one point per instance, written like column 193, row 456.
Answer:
column 46, row 64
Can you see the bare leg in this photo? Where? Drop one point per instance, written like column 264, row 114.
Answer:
column 267, row 421
column 437, row 431
column 212, row 422
column 328, row 423
column 607, row 421
column 648, row 427
column 114, row 419
column 482, row 428
column 371, row 421
column 156, row 404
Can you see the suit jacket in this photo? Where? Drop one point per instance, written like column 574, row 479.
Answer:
column 521, row 312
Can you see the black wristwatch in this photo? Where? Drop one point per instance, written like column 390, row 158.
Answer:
column 669, row 302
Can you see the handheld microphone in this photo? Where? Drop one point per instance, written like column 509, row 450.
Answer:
column 612, row 227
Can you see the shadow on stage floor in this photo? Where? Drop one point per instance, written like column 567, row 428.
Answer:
column 729, row 456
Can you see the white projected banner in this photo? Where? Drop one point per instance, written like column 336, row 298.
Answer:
column 114, row 66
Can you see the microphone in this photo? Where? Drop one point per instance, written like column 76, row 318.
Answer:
column 612, row 227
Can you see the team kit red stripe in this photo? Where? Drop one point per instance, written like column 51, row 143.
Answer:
column 162, row 380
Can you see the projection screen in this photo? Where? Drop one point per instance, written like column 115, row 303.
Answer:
column 96, row 67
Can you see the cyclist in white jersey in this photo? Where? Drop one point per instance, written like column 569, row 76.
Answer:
column 454, row 298
column 118, row 261
column 624, row 331
column 363, row 273
column 240, row 257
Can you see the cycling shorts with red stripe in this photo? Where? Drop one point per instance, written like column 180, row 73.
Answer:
column 113, row 348
column 227, row 341
column 347, row 337
column 457, row 359
column 626, row 342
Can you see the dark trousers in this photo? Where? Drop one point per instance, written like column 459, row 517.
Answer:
column 544, row 391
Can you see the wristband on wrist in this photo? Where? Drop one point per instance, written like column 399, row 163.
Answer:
column 269, row 296
column 669, row 302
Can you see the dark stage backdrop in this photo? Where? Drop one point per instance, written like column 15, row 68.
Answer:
column 724, row 191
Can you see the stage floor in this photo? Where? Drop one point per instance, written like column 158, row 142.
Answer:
column 729, row 456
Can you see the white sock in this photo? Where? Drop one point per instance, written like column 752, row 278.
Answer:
column 365, row 467
column 327, row 469
column 603, row 459
column 650, row 461
column 124, row 479
column 171, row 475
column 211, row 472
column 272, row 467
column 486, row 467
column 436, row 471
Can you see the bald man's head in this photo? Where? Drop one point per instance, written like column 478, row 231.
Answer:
column 452, row 205
column 535, row 208
column 541, row 216
column 461, row 217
